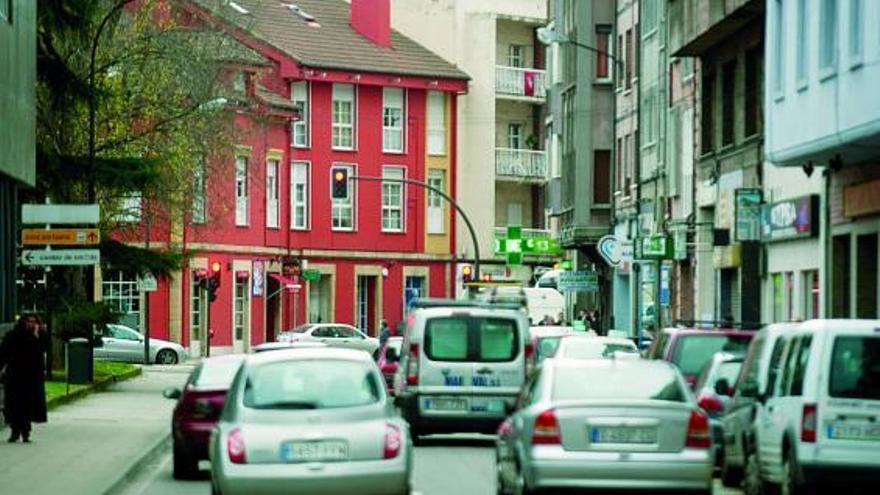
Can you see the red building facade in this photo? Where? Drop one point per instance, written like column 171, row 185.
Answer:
column 335, row 88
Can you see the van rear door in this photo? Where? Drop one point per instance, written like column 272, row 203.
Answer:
column 446, row 369
column 499, row 361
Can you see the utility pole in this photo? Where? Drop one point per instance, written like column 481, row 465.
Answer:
column 147, row 226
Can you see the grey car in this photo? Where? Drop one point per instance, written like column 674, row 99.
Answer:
column 120, row 343
column 605, row 424
column 310, row 420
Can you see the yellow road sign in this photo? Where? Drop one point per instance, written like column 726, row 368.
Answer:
column 61, row 237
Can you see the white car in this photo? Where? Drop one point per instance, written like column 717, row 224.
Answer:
column 121, row 343
column 579, row 346
column 820, row 423
column 333, row 335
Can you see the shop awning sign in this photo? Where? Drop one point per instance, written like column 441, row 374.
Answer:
column 791, row 219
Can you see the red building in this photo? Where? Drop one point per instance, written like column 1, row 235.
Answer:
column 331, row 86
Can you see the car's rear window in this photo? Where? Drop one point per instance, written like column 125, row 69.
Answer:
column 311, row 384
column 594, row 349
column 215, row 374
column 855, row 368
column 617, row 382
column 729, row 370
column 465, row 338
column 693, row 351
column 302, row 328
column 547, row 347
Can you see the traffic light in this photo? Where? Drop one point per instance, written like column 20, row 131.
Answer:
column 213, row 282
column 467, row 273
column 340, row 183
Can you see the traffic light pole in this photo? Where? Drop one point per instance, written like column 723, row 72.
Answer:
column 445, row 196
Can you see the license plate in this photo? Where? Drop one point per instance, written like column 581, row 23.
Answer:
column 494, row 406
column 446, row 404
column 623, row 434
column 314, row 451
column 854, row 431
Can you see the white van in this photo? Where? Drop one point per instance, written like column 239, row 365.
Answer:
column 462, row 366
column 820, row 423
column 542, row 302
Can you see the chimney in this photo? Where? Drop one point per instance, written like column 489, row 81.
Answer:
column 372, row 18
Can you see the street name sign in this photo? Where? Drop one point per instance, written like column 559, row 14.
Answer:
column 581, row 281
column 61, row 237
column 60, row 214
column 59, row 257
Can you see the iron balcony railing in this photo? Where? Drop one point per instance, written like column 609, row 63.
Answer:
column 521, row 164
column 520, row 82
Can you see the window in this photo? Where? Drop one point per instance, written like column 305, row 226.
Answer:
column 300, row 94
column 413, row 288
column 241, row 191
column 802, row 40
column 199, row 206
column 692, row 352
column 788, row 368
column 747, row 382
column 775, row 365
column 778, row 48
column 343, row 116
column 789, row 296
column 622, row 53
column 728, row 94
column 436, row 203
column 120, row 291
column 828, row 36
column 707, row 124
column 471, row 339
column 778, row 300
column 6, row 10
column 514, row 136
column 800, row 366
column 855, row 368
column 603, row 47
column 648, row 16
column 856, row 11
column 618, row 186
column 811, row 294
column 602, row 177
column 239, row 82
column 392, row 119
column 753, row 90
column 299, row 196
column 392, row 200
column 312, row 384
column 272, row 194
column 625, row 383
column 516, row 56
column 197, row 308
column 343, row 208
column 240, row 308
column 436, row 123
column 629, row 58
column 130, row 208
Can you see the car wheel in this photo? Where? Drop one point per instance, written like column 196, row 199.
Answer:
column 791, row 484
column 185, row 467
column 166, row 356
column 753, row 484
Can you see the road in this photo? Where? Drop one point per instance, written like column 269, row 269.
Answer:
column 460, row 465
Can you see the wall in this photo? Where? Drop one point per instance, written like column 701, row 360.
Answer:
column 514, row 33
column 511, row 192
column 18, row 70
column 440, row 243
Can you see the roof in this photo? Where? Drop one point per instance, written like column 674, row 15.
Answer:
column 309, row 353
column 275, row 100
column 330, row 42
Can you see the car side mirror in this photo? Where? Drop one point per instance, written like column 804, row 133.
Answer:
column 171, row 393
column 722, row 387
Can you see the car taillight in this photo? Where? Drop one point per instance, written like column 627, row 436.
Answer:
column 392, row 441
column 412, row 366
column 808, row 423
column 505, row 428
column 710, row 404
column 546, row 429
column 235, row 447
column 698, row 434
column 530, row 350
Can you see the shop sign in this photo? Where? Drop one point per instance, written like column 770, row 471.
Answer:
column 861, row 199
column 791, row 219
column 665, row 291
column 679, row 244
column 615, row 250
column 728, row 256
column 580, row 281
column 258, row 282
column 656, row 247
column 748, row 214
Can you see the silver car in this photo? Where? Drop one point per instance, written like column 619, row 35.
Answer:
column 310, row 420
column 332, row 334
column 586, row 347
column 605, row 424
column 120, row 343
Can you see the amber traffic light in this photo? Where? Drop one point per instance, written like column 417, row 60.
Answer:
column 340, row 183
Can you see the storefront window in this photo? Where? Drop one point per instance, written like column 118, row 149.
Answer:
column 789, row 296
column 811, row 294
column 778, row 300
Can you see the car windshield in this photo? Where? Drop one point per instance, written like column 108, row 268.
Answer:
column 855, row 368
column 594, row 348
column 617, row 382
column 465, row 338
column 301, row 329
column 693, row 351
column 216, row 373
column 311, row 384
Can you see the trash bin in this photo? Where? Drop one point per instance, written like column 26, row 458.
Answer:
column 79, row 361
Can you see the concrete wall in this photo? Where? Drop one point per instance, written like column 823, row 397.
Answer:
column 18, row 71
column 509, row 192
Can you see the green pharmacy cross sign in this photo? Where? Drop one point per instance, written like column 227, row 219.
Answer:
column 514, row 246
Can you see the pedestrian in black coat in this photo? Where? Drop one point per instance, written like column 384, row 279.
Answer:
column 23, row 355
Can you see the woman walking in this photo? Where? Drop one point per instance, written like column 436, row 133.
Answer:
column 23, row 355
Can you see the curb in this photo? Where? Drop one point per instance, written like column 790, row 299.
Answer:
column 97, row 386
column 155, row 451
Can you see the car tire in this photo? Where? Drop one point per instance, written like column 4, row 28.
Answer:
column 791, row 482
column 166, row 356
column 185, row 467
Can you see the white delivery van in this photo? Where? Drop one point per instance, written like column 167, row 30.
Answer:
column 542, row 301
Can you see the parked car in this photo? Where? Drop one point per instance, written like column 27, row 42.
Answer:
column 462, row 364
column 820, row 422
column 389, row 359
column 605, row 424
column 690, row 349
column 310, row 420
column 278, row 346
column 739, row 416
column 198, row 409
column 580, row 346
column 713, row 389
column 332, row 334
column 120, row 343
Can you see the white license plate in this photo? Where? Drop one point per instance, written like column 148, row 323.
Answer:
column 446, row 404
column 854, row 431
column 623, row 434
column 314, row 451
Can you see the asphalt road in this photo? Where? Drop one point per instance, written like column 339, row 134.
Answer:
column 459, row 465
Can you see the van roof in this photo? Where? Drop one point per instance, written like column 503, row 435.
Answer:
column 424, row 303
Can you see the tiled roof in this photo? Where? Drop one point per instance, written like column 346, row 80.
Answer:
column 274, row 100
column 333, row 45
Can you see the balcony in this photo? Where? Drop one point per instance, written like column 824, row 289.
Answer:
column 526, row 233
column 520, row 165
column 520, row 84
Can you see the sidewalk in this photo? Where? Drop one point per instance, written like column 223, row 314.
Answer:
column 89, row 444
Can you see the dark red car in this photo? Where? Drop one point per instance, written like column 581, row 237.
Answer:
column 690, row 348
column 198, row 408
column 389, row 358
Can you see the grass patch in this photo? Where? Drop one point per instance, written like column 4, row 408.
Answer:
column 111, row 368
column 57, row 386
column 59, row 389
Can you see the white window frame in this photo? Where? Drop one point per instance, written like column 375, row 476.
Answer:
column 396, row 172
column 606, row 30
column 199, row 212
column 197, row 298
column 344, row 94
column 393, row 101
column 828, row 38
column 242, row 216
column 436, row 204
column 122, row 292
column 406, row 286
column 515, row 135
column 130, row 208
column 300, row 175
column 301, row 95
column 856, row 33
column 802, row 70
column 239, row 82
column 272, row 192
column 516, row 56
column 340, row 205
column 436, row 123
column 240, row 308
